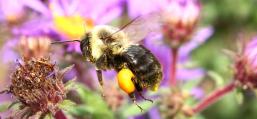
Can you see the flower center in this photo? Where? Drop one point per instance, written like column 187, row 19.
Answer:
column 73, row 27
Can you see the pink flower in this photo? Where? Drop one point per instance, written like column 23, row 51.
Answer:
column 179, row 17
column 246, row 65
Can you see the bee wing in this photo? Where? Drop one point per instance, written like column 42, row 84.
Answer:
column 143, row 26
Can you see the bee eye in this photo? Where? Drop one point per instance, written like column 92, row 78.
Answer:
column 125, row 80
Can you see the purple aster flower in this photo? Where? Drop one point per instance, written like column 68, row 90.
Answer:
column 14, row 11
column 71, row 19
column 11, row 10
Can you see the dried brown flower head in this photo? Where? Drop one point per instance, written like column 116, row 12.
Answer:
column 38, row 85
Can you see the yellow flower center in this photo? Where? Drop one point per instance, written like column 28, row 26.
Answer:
column 73, row 27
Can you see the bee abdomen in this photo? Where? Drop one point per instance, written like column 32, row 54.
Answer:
column 145, row 66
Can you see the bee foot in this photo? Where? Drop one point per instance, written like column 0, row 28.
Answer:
column 141, row 109
column 140, row 94
column 4, row 91
column 149, row 100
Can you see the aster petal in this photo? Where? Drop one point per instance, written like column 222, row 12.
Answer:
column 109, row 15
column 11, row 8
column 197, row 92
column 56, row 8
column 101, row 11
column 189, row 74
column 252, row 43
column 8, row 53
column 154, row 113
column 199, row 38
column 141, row 7
column 36, row 26
column 1, row 15
column 70, row 6
column 37, row 6
column 251, row 51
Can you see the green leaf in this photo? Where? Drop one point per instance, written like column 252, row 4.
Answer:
column 4, row 107
column 93, row 104
column 66, row 105
column 70, row 84
column 216, row 77
column 239, row 96
column 49, row 116
column 132, row 110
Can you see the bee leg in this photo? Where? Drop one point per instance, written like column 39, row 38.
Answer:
column 4, row 91
column 139, row 90
column 141, row 95
column 100, row 79
column 133, row 98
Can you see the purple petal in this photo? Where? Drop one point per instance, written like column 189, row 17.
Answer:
column 154, row 113
column 36, row 26
column 140, row 7
column 199, row 38
column 189, row 74
column 110, row 13
column 37, row 6
column 8, row 53
column 11, row 8
column 70, row 6
column 101, row 11
column 198, row 93
column 57, row 8
column 74, row 47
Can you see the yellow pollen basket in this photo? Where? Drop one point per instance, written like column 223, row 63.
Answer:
column 73, row 27
column 124, row 77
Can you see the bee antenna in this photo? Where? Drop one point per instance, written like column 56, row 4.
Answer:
column 59, row 42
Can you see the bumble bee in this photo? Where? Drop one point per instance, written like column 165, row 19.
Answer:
column 110, row 48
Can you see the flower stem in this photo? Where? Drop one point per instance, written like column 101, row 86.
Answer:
column 60, row 115
column 173, row 66
column 213, row 97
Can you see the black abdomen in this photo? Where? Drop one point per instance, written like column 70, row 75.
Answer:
column 144, row 65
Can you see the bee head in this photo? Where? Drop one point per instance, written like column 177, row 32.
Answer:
column 85, row 46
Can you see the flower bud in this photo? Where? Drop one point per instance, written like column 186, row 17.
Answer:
column 172, row 104
column 13, row 11
column 246, row 65
column 179, row 21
